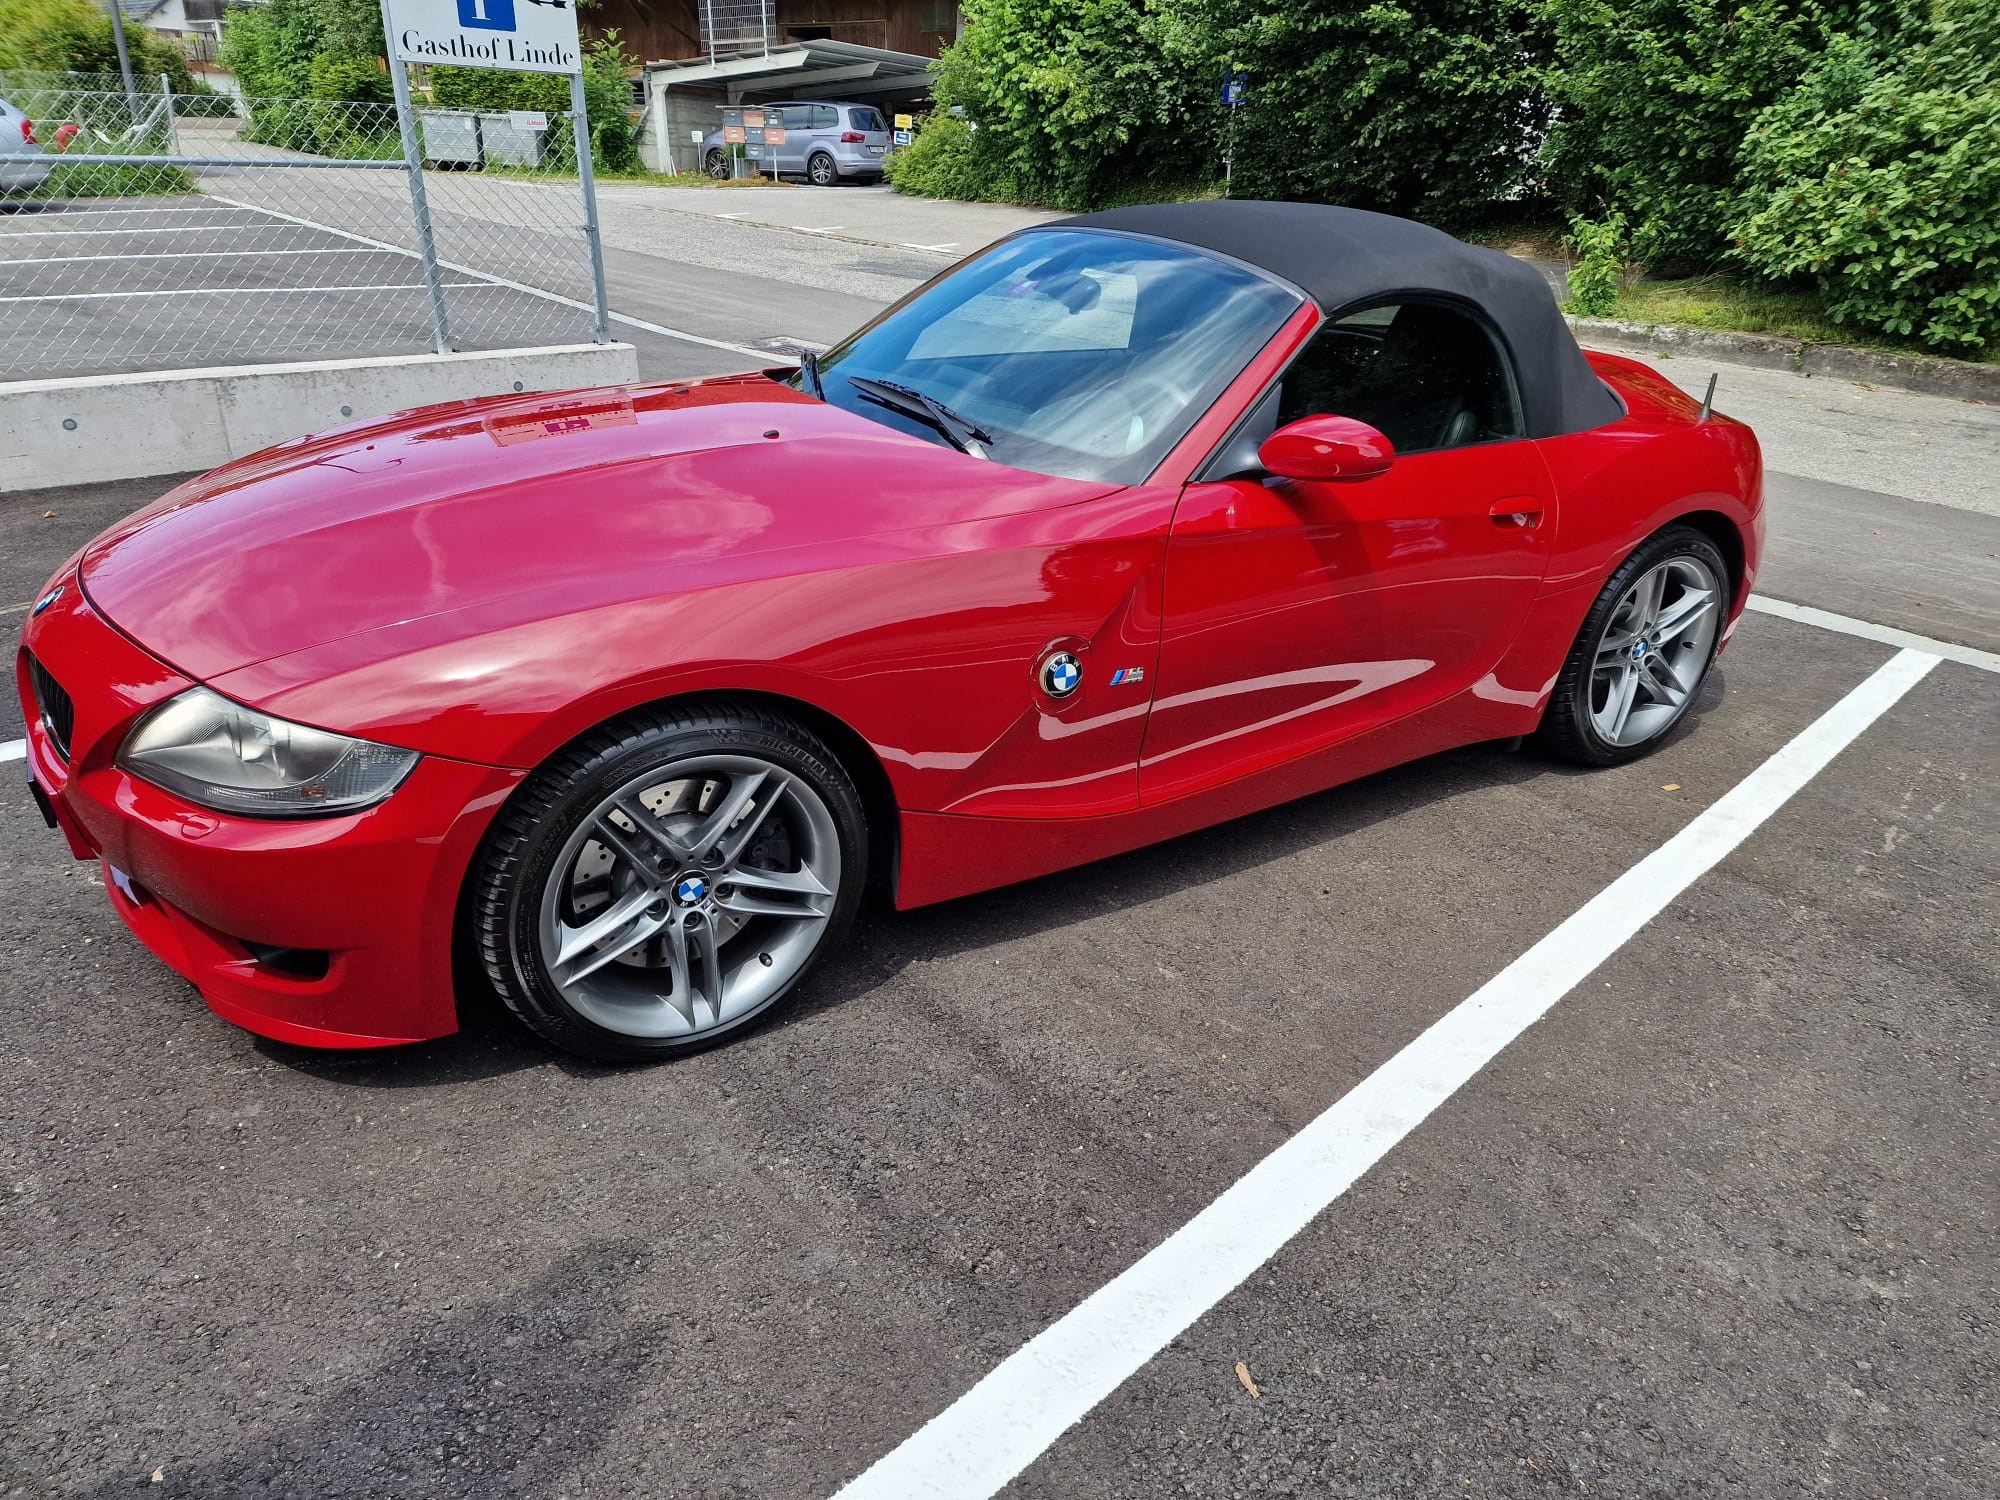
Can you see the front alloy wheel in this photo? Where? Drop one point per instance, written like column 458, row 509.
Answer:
column 674, row 886
column 1643, row 653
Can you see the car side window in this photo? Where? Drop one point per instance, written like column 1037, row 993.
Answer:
column 1424, row 375
column 825, row 117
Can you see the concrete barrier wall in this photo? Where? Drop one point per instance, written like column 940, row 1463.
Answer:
column 104, row 427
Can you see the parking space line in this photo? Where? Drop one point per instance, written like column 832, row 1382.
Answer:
column 996, row 1429
column 14, row 750
column 42, row 234
column 532, row 291
column 77, row 213
column 68, row 260
column 1868, row 630
column 238, row 291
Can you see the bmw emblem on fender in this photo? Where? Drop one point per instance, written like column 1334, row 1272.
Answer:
column 1062, row 674
column 48, row 599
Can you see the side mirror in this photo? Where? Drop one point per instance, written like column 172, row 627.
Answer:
column 1327, row 448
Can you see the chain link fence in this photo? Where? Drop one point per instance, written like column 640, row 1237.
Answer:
column 159, row 231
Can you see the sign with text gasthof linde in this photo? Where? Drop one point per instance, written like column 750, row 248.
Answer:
column 524, row 36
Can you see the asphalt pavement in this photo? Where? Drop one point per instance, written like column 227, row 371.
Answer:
column 1721, row 1224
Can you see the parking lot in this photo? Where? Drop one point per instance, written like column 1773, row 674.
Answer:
column 1719, row 1222
column 214, row 279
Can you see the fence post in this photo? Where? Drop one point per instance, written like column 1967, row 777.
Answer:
column 173, row 125
column 413, row 160
column 579, row 119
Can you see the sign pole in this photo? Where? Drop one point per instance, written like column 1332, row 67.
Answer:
column 413, row 160
column 579, row 118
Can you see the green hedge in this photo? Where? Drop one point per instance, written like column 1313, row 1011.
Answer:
column 1879, row 180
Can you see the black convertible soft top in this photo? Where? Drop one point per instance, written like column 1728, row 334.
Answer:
column 1344, row 257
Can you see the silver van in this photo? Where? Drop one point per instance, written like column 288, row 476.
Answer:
column 825, row 143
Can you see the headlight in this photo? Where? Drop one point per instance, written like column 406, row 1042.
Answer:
column 234, row 759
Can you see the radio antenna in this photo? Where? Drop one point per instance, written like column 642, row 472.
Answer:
column 1708, row 398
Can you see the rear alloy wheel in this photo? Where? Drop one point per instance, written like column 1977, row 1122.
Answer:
column 717, row 164
column 1644, row 651
column 822, row 171
column 665, row 883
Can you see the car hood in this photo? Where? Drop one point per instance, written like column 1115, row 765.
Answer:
column 564, row 503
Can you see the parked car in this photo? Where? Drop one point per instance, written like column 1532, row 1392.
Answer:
column 825, row 142
column 24, row 166
column 1127, row 525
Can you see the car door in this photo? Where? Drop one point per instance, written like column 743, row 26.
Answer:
column 1300, row 613
column 825, row 133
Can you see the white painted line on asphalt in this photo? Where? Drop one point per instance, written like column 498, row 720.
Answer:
column 823, row 229
column 1868, row 630
column 240, row 291
column 14, row 750
column 100, row 213
column 70, row 260
column 731, row 216
column 947, row 245
column 42, row 234
column 516, row 286
column 1000, row 1426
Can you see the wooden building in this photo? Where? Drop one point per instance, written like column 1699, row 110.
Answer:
column 678, row 30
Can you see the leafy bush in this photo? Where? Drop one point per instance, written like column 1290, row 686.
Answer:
column 1074, row 100
column 1421, row 107
column 941, row 161
column 1599, row 247
column 494, row 90
column 1879, row 178
column 356, row 79
column 273, row 49
column 75, row 36
column 1653, row 99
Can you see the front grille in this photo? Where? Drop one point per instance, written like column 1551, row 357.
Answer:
column 58, row 713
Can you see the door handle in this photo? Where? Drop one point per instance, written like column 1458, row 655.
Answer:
column 1522, row 511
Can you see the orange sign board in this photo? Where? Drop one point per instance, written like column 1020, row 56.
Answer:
column 732, row 135
column 754, row 118
column 774, row 135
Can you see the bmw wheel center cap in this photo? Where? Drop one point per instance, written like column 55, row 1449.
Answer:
column 1062, row 674
column 691, row 889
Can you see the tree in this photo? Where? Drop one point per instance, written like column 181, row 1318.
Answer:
column 1073, row 102
column 1422, row 107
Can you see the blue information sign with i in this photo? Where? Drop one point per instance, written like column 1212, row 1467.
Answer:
column 486, row 15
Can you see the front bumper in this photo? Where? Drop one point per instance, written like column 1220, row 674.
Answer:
column 231, row 903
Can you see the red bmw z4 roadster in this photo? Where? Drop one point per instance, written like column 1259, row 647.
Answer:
column 1129, row 524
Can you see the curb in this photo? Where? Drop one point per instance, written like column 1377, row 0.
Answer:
column 1929, row 375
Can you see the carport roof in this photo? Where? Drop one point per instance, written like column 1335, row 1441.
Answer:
column 827, row 69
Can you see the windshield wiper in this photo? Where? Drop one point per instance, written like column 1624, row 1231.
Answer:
column 809, row 364
column 964, row 435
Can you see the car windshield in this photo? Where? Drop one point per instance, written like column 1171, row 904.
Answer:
column 1069, row 352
